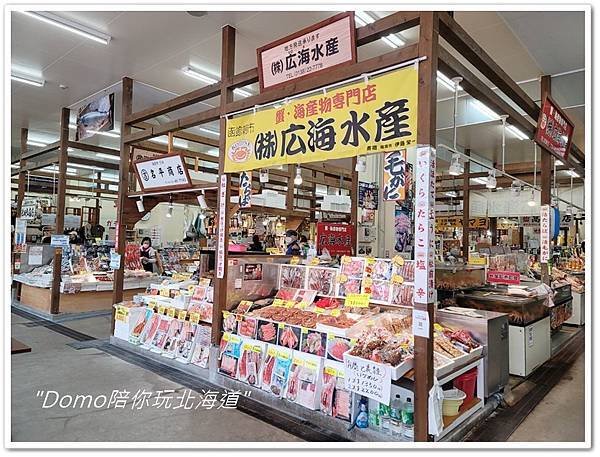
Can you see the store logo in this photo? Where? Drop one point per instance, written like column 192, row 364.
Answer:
column 240, row 151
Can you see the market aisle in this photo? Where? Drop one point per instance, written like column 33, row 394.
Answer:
column 560, row 415
column 53, row 365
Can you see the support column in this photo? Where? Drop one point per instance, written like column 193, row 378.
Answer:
column 289, row 196
column 126, row 110
column 354, row 206
column 466, row 206
column 227, row 72
column 426, row 136
column 60, row 208
column 98, row 193
column 494, row 230
column 22, row 175
column 546, row 171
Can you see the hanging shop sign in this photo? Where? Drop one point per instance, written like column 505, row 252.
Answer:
column 554, row 129
column 59, row 241
column 245, row 190
column 504, row 277
column 222, row 227
column 368, row 195
column 394, row 168
column 424, row 225
column 565, row 221
column 322, row 46
column 336, row 238
column 368, row 378
column 96, row 116
column 530, row 221
column 141, row 154
column 28, row 212
column 361, row 117
column 475, row 223
column 167, row 172
column 544, row 233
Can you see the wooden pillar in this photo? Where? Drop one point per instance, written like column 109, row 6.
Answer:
column 354, row 206
column 119, row 274
column 466, row 207
column 22, row 175
column 494, row 230
column 313, row 214
column 546, row 171
column 98, row 193
column 426, row 135
column 291, row 188
column 60, row 208
column 227, row 72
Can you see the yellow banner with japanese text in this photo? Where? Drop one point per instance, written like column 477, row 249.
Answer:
column 362, row 117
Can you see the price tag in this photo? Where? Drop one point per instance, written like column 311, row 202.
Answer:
column 164, row 292
column 295, row 260
column 370, row 260
column 357, row 300
column 342, row 279
column 397, row 279
column 177, row 293
column 272, row 351
column 398, row 260
column 331, row 371
column 346, row 260
column 194, row 318
column 438, row 328
column 226, row 314
column 298, row 362
column 280, row 325
column 256, row 349
column 290, row 304
column 278, row 302
column 191, row 289
column 310, row 364
column 161, row 309
column 319, row 310
column 226, row 337
column 352, row 341
column 283, row 355
column 121, row 313
column 330, row 337
column 315, row 261
column 171, row 312
column 336, row 312
column 247, row 347
column 367, row 282
column 302, row 305
column 182, row 315
column 303, row 330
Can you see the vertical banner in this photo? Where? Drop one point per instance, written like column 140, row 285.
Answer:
column 245, row 190
column 394, row 179
column 20, row 234
column 544, row 233
column 425, row 225
column 222, row 221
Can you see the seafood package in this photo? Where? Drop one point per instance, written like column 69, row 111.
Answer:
column 445, row 347
column 293, row 316
column 229, row 322
column 353, row 267
column 243, row 307
column 322, row 280
column 380, row 291
column 406, row 270
column 286, row 293
column 303, row 383
column 313, row 342
column 336, row 346
column 462, row 339
column 382, row 346
column 396, row 322
column 138, row 328
column 335, row 400
column 381, row 269
column 289, row 336
column 200, row 355
column 402, row 294
column 185, row 343
column 342, row 321
column 328, row 303
column 250, row 365
column 173, row 335
column 229, row 354
column 292, row 276
column 351, row 286
column 149, row 330
column 160, row 337
column 266, row 331
column 247, row 327
column 305, row 296
column 276, row 371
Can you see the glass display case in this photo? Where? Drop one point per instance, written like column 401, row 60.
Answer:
column 451, row 277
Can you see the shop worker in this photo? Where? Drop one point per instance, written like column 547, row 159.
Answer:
column 147, row 254
column 291, row 241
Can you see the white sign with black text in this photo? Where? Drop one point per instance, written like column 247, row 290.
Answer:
column 368, row 378
column 168, row 172
column 222, row 222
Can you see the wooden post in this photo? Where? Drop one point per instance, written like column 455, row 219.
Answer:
column 98, row 194
column 227, row 72
column 22, row 175
column 466, row 207
column 426, row 135
column 313, row 214
column 119, row 273
column 60, row 208
column 546, row 171
column 291, row 189
column 494, row 230
column 354, row 206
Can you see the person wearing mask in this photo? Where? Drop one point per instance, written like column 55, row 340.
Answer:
column 291, row 241
column 147, row 254
column 256, row 244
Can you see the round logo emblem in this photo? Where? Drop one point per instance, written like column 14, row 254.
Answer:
column 240, row 151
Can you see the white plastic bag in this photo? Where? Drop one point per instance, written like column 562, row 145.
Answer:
column 436, row 397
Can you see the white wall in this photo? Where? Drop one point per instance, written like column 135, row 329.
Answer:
column 172, row 229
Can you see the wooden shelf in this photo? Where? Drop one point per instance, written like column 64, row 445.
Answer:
column 449, row 420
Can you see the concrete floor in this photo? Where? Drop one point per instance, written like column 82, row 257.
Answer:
column 53, row 365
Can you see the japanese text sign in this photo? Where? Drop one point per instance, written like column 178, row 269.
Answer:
column 357, row 300
column 554, row 130
column 245, row 190
column 544, row 233
column 362, row 117
column 309, row 51
column 167, row 172
column 28, row 212
column 504, row 277
column 394, row 167
column 221, row 227
column 336, row 238
column 368, row 378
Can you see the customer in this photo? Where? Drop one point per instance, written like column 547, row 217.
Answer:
column 291, row 241
column 147, row 254
column 256, row 244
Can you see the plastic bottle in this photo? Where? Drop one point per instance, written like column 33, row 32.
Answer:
column 396, row 417
column 384, row 418
column 374, row 415
column 362, row 419
column 408, row 423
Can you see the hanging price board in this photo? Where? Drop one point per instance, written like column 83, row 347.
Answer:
column 357, row 300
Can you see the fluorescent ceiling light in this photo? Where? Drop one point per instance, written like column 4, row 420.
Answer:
column 452, row 194
column 213, row 152
column 108, row 156
column 71, row 26
column 480, row 180
column 14, row 165
column 178, row 143
column 558, row 163
column 28, row 80
column 393, row 40
column 516, row 132
column 77, row 165
column 193, row 73
column 111, row 134
column 36, row 143
column 363, row 17
column 446, row 82
column 70, row 171
column 573, row 173
column 110, row 178
column 205, row 130
column 242, row 92
column 484, row 109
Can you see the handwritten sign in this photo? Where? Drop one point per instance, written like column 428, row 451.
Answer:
column 221, row 227
column 394, row 167
column 168, row 172
column 544, row 233
column 420, row 323
column 245, row 190
column 357, row 300
column 368, row 378
column 35, row 255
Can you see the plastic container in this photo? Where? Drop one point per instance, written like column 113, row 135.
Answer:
column 396, row 417
column 453, row 398
column 467, row 383
column 408, row 419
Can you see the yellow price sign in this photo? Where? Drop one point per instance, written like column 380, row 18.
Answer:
column 303, row 330
column 331, row 371
column 226, row 314
column 397, row 279
column 438, row 328
column 346, row 260
column 336, row 312
column 357, row 300
column 272, row 351
column 302, row 305
column 370, row 260
column 161, row 309
column 315, row 261
column 319, row 310
column 164, row 292
column 367, row 282
column 298, row 362
column 290, row 304
column 295, row 260
column 278, row 302
column 226, row 337
column 182, row 314
column 191, row 289
column 342, row 279
column 256, row 349
column 310, row 364
column 121, row 313
column 280, row 325
column 194, row 318
column 283, row 355
column 171, row 312
column 477, row 260
column 398, row 260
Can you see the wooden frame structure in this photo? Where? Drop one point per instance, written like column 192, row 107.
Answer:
column 433, row 26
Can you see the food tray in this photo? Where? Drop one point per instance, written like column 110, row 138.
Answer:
column 475, row 352
column 396, row 372
column 444, row 369
column 343, row 332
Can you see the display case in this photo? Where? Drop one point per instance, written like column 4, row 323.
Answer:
column 458, row 276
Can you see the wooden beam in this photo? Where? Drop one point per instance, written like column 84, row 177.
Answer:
column 200, row 139
column 153, row 147
column 94, row 163
column 466, row 208
column 289, row 195
column 394, row 23
column 37, row 152
column 191, row 98
column 60, row 209
column 93, row 148
column 22, row 175
column 243, row 79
